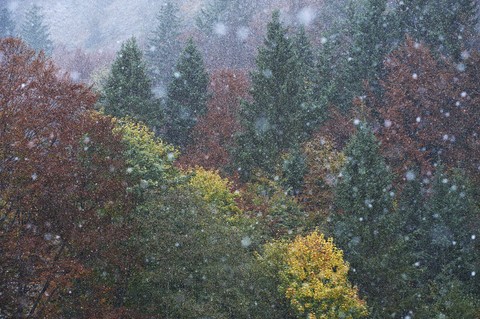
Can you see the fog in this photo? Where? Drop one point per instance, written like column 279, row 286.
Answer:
column 98, row 27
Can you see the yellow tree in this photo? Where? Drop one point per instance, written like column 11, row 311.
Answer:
column 314, row 279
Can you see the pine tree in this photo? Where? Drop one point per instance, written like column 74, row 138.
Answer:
column 447, row 25
column 163, row 45
column 35, row 32
column 127, row 91
column 210, row 14
column 7, row 26
column 366, row 228
column 283, row 112
column 370, row 33
column 187, row 96
column 363, row 192
column 232, row 13
column 452, row 220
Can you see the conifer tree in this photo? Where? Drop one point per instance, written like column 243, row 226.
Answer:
column 187, row 96
column 232, row 13
column 452, row 221
column 283, row 112
column 7, row 26
column 163, row 45
column 446, row 25
column 440, row 235
column 366, row 229
column 127, row 91
column 35, row 32
column 371, row 36
column 364, row 189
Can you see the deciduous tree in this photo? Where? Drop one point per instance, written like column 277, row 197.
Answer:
column 213, row 136
column 426, row 113
column 62, row 192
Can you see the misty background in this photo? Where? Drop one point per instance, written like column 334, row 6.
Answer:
column 94, row 30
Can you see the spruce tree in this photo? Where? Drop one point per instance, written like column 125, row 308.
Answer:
column 35, row 32
column 187, row 96
column 210, row 14
column 7, row 26
column 363, row 193
column 452, row 221
column 369, row 30
column 282, row 113
column 366, row 228
column 163, row 45
column 127, row 91
column 447, row 25
column 232, row 13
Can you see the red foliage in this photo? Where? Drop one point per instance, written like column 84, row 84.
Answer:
column 427, row 112
column 214, row 133
column 62, row 186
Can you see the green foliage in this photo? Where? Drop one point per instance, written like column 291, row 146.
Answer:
column 197, row 257
column 187, row 96
column 149, row 160
column 450, row 301
column 229, row 12
column 446, row 25
column 452, row 220
column 127, row 91
column 278, row 214
column 163, row 45
column 370, row 33
column 293, row 170
column 283, row 112
column 195, row 263
column 366, row 181
column 35, row 32
column 210, row 14
column 366, row 228
column 7, row 25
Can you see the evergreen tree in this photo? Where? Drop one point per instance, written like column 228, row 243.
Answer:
column 439, row 229
column 163, row 45
column 7, row 26
column 283, row 112
column 363, row 192
column 224, row 27
column 210, row 14
column 127, row 91
column 408, row 252
column 452, row 221
column 368, row 29
column 446, row 25
column 232, row 13
column 187, row 96
column 367, row 227
column 35, row 32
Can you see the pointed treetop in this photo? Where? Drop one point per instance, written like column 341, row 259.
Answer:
column 35, row 32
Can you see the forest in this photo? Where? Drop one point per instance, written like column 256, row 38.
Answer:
column 246, row 159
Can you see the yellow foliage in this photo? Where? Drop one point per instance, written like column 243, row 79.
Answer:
column 215, row 190
column 315, row 281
